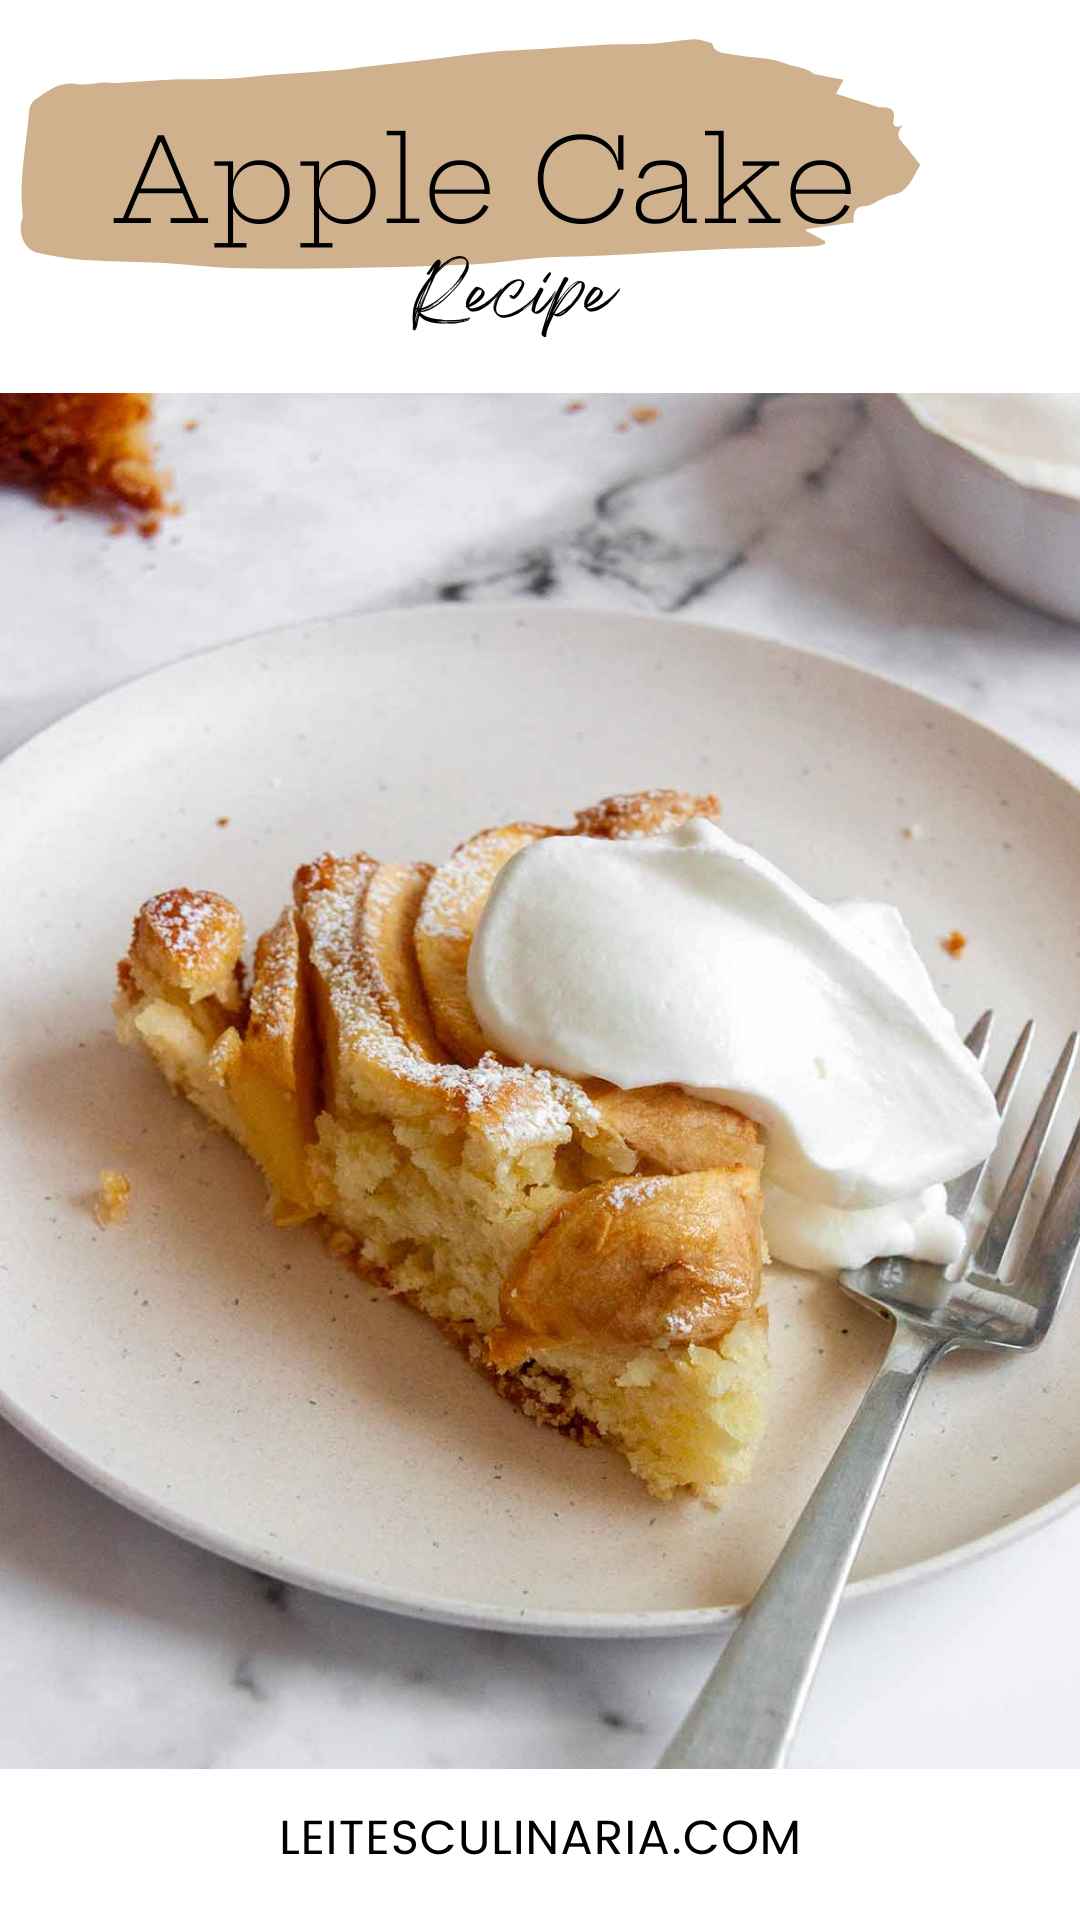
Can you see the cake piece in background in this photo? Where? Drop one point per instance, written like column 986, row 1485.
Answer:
column 85, row 450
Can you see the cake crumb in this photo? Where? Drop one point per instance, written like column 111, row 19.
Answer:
column 190, row 426
column 113, row 1201
column 914, row 832
column 574, row 406
column 954, row 943
column 222, row 820
column 644, row 416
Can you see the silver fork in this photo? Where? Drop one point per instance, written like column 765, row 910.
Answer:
column 747, row 1712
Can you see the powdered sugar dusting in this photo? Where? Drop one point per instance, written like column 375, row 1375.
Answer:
column 457, row 890
column 185, row 921
column 628, row 816
column 521, row 1104
column 202, row 932
column 276, row 983
column 631, row 1193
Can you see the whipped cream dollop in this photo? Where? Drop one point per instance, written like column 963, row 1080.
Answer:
column 687, row 958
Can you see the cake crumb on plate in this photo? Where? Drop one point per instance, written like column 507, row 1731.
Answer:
column 113, row 1201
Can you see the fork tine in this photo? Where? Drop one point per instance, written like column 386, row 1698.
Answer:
column 1013, row 1069
column 1046, row 1266
column 995, row 1241
column 962, row 1190
column 978, row 1040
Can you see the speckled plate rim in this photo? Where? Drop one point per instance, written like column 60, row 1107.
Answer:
column 654, row 1624
column 18, row 767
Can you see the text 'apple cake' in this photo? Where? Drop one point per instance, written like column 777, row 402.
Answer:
column 596, row 1252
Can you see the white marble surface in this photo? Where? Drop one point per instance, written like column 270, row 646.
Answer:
column 121, row 1646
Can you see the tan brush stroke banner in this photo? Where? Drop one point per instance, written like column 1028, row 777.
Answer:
column 87, row 146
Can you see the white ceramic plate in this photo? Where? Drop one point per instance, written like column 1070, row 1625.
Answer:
column 230, row 1381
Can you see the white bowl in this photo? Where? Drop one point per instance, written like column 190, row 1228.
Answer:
column 1008, row 505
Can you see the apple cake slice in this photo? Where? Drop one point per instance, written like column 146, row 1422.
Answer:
column 596, row 1252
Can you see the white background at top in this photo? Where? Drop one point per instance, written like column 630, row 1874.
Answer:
column 965, row 280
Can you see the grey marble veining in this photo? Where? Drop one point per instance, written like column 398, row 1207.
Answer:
column 122, row 1646
column 670, row 540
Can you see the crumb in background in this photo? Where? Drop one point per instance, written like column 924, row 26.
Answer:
column 85, row 450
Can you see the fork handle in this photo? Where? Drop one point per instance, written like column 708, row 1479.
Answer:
column 748, row 1709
